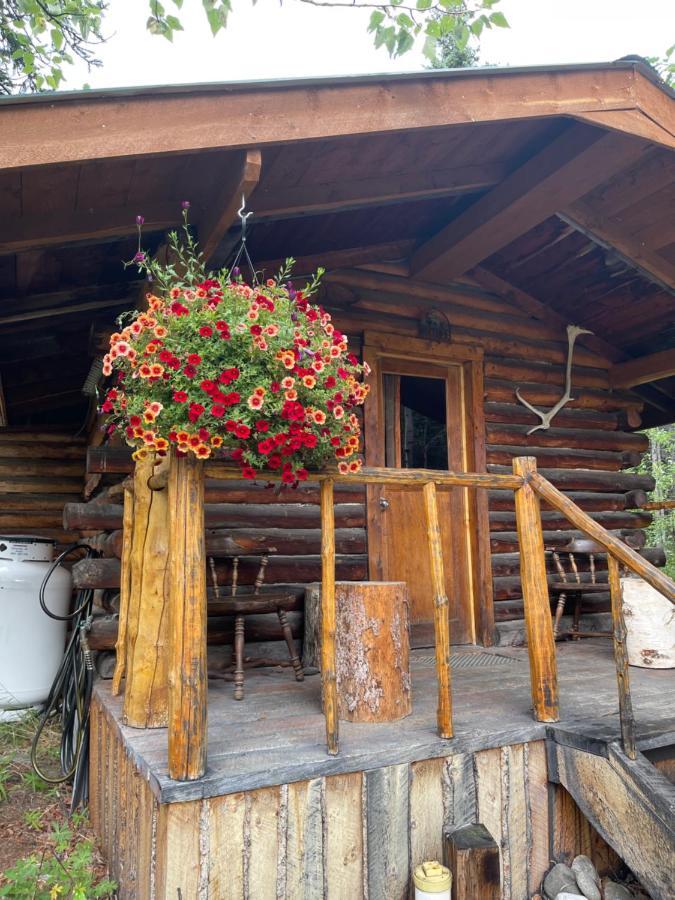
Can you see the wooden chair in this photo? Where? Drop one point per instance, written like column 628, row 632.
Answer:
column 240, row 604
column 567, row 560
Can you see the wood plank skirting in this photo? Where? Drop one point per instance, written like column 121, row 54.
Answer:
column 340, row 836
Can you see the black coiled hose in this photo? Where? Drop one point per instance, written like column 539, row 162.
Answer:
column 70, row 693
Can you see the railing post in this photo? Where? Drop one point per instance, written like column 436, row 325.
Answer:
column 538, row 624
column 441, row 618
column 621, row 659
column 328, row 662
column 188, row 679
column 125, row 589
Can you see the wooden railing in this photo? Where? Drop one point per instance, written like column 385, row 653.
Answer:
column 187, row 631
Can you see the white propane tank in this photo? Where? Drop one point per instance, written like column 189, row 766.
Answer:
column 31, row 643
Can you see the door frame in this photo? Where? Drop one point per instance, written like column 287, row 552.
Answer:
column 377, row 348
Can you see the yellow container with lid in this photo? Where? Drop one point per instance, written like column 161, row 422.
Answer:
column 432, row 881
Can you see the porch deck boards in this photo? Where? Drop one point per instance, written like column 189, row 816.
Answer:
column 276, row 734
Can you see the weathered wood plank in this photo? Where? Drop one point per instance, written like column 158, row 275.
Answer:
column 226, row 846
column 344, row 849
column 388, row 836
column 178, row 850
column 304, row 840
column 427, row 814
column 261, row 844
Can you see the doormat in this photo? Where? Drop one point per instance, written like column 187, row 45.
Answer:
column 466, row 659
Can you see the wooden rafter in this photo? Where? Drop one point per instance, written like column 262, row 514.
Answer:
column 570, row 166
column 350, row 256
column 643, row 370
column 238, row 182
column 610, row 235
column 33, row 232
column 132, row 124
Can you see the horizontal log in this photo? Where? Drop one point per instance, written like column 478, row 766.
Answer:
column 225, row 542
column 105, row 573
column 108, row 517
column 582, row 521
column 568, row 417
column 27, row 520
column 509, row 610
column 500, row 501
column 587, row 480
column 554, row 519
column 567, row 458
column 33, row 502
column 32, row 450
column 507, row 541
column 546, row 396
column 28, row 435
column 581, row 438
column 259, row 628
column 503, row 368
column 21, row 485
column 18, row 468
column 509, row 563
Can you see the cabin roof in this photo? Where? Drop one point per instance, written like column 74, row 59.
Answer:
column 553, row 184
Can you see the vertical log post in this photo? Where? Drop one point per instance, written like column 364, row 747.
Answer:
column 125, row 587
column 328, row 660
column 146, row 691
column 441, row 616
column 538, row 624
column 621, row 659
column 188, row 684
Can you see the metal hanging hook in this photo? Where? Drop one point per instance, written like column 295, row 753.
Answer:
column 244, row 216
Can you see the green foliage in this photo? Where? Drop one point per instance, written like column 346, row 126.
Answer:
column 65, row 871
column 665, row 65
column 448, row 53
column 39, row 39
column 659, row 462
column 33, row 781
column 33, row 819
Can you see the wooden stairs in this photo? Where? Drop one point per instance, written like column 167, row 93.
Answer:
column 630, row 803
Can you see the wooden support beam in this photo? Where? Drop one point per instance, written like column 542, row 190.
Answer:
column 538, row 624
column 416, row 184
column 441, row 615
column 125, row 587
column 240, row 179
column 610, row 235
column 97, row 125
column 60, row 311
column 472, row 855
column 187, row 673
column 565, row 170
column 643, row 369
column 328, row 618
column 338, row 259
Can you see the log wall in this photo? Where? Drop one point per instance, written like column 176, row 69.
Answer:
column 341, row 837
column 39, row 473
column 585, row 453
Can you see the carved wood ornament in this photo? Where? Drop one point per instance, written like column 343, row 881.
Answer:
column 573, row 332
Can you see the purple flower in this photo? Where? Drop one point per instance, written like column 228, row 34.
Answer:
column 235, row 272
column 294, row 317
column 139, row 257
column 140, row 220
column 185, row 204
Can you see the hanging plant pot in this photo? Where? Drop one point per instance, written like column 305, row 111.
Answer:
column 218, row 366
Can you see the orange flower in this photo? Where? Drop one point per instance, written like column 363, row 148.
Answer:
column 140, row 454
column 338, row 412
column 309, row 381
column 343, row 468
column 149, row 416
column 149, row 437
column 182, row 437
column 145, row 371
column 260, row 392
column 287, row 382
column 160, row 331
column 291, row 395
column 202, row 451
column 161, row 443
column 216, row 441
column 175, row 293
column 255, row 401
column 157, row 369
column 319, row 416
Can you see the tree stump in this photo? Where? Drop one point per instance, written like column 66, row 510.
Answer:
column 372, row 648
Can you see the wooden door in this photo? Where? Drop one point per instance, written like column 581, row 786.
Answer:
column 420, row 416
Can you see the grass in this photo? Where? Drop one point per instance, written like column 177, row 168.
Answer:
column 45, row 853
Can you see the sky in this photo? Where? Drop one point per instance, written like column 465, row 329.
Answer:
column 269, row 40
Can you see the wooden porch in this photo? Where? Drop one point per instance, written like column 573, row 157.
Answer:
column 275, row 812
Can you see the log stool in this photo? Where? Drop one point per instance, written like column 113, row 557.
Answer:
column 242, row 604
column 372, row 647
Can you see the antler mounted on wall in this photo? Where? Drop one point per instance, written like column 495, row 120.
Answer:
column 573, row 332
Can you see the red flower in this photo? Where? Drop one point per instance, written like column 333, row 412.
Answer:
column 206, row 331
column 107, row 406
column 231, row 426
column 352, row 359
column 343, row 373
column 196, row 409
column 265, row 447
column 194, row 359
column 248, row 472
column 189, row 371
column 180, row 396
column 256, row 329
column 237, row 454
column 207, row 386
column 274, row 461
column 165, row 355
column 287, row 477
column 310, row 441
column 134, row 421
column 204, row 434
column 330, row 382
column 301, row 474
column 275, row 387
column 222, row 326
column 262, row 425
column 217, row 410
column 178, row 309
column 233, row 398
column 243, row 431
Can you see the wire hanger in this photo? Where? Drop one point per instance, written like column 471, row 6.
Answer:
column 243, row 249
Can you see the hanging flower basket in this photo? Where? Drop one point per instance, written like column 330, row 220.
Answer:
column 218, row 366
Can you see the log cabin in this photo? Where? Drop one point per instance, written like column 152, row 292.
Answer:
column 467, row 219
